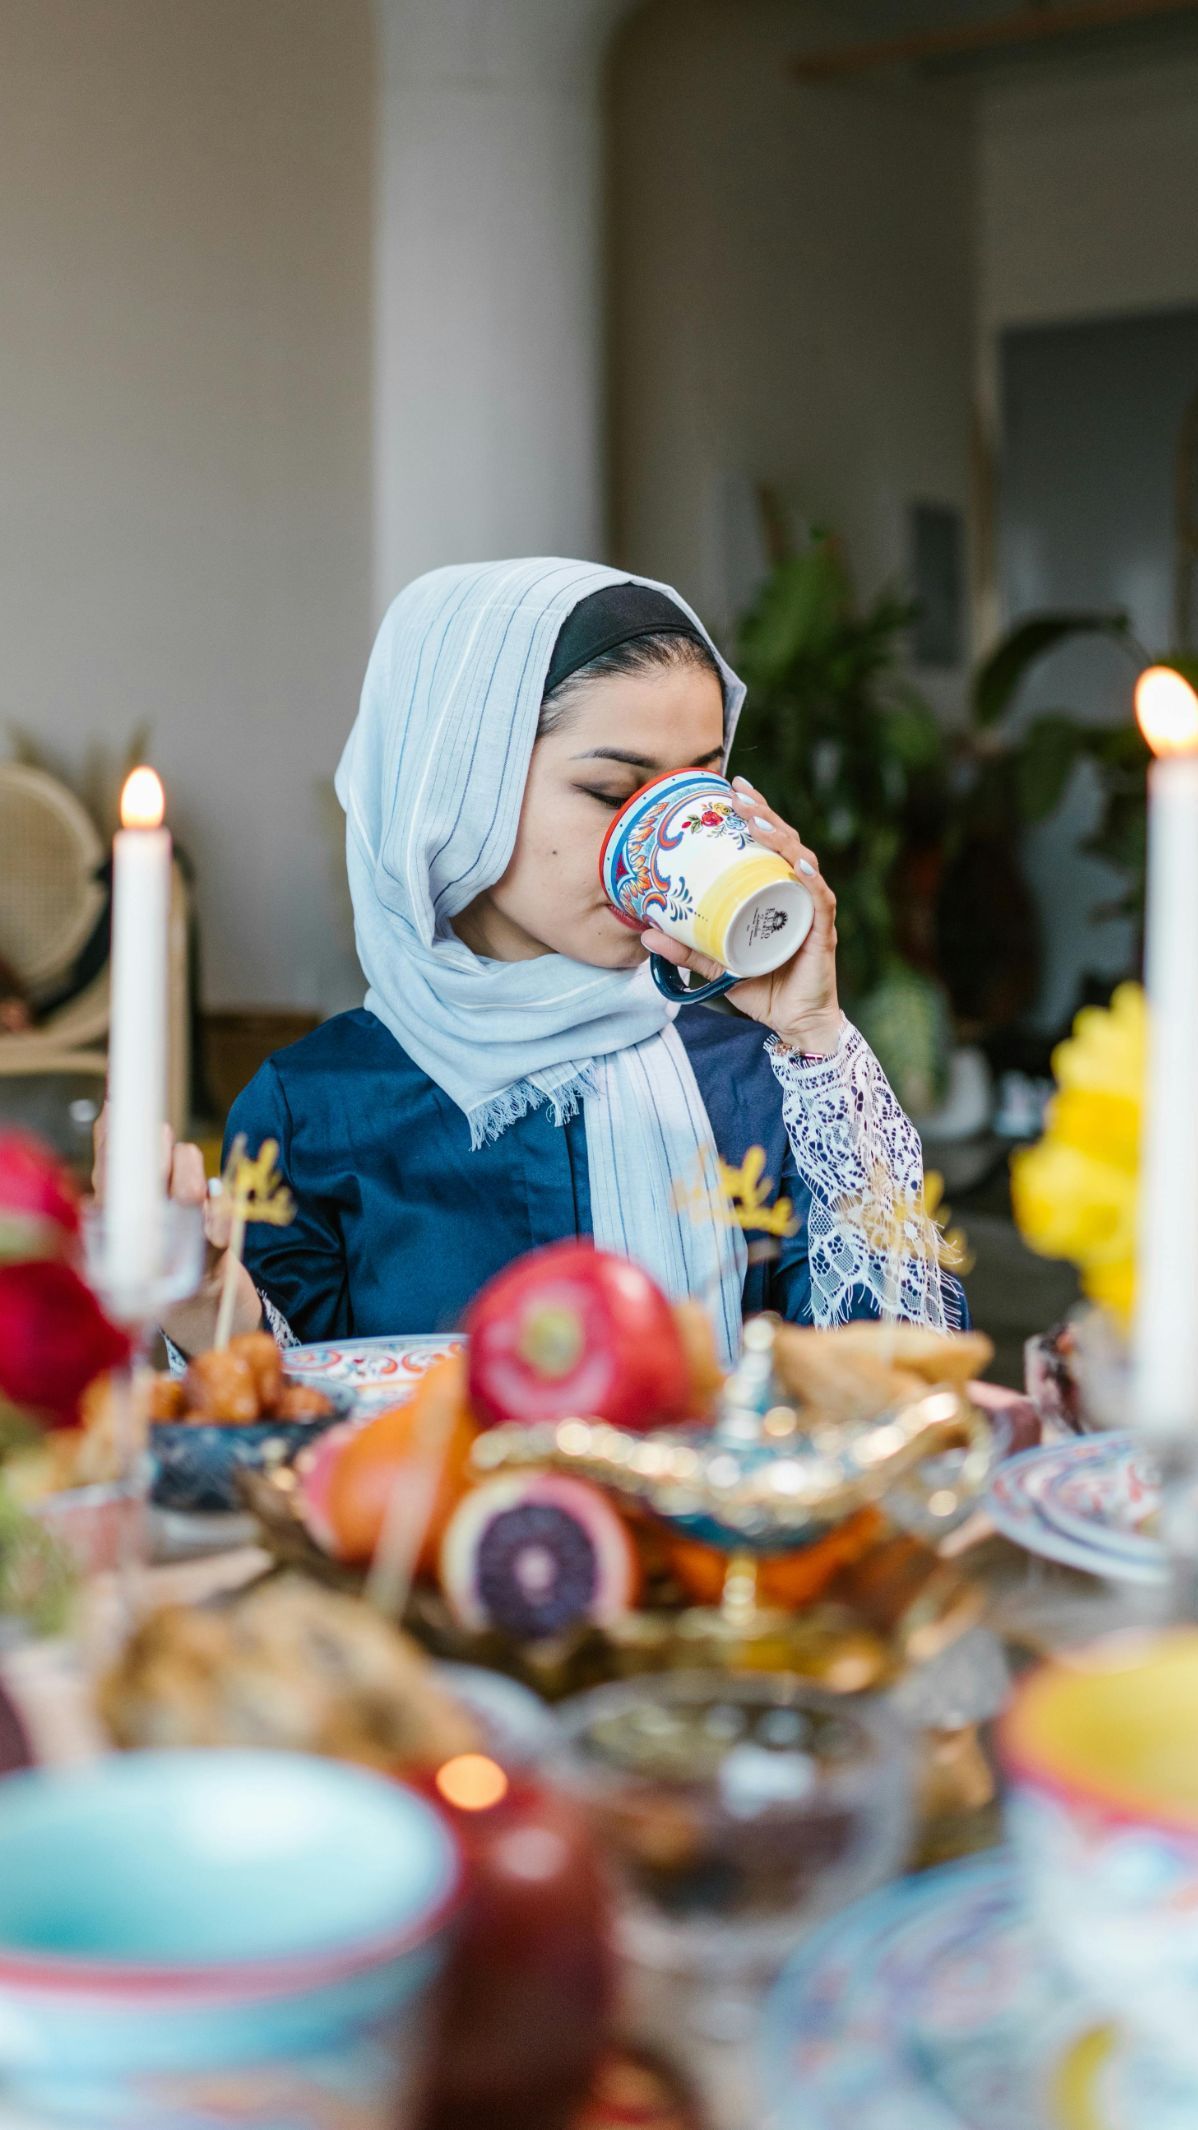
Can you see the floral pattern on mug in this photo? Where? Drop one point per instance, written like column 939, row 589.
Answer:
column 721, row 817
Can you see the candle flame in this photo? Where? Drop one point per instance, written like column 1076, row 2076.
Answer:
column 1167, row 708
column 143, row 801
column 472, row 1782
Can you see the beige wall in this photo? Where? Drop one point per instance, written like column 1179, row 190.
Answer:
column 1089, row 192
column 185, row 430
column 793, row 290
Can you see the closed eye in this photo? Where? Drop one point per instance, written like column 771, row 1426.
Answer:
column 611, row 800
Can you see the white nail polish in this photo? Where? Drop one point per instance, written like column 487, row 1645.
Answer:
column 759, row 823
column 805, row 866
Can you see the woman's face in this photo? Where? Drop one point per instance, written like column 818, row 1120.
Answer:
column 618, row 731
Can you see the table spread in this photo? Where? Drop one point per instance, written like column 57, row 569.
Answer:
column 1033, row 1606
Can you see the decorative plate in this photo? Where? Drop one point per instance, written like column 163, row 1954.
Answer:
column 380, row 1371
column 1108, row 1487
column 931, row 2006
column 1022, row 1504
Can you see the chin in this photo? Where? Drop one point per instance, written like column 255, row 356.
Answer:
column 611, row 947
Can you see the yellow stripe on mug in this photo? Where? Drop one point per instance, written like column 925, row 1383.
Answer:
column 720, row 917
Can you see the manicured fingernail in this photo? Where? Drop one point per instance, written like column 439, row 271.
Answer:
column 759, row 823
column 805, row 866
column 741, row 784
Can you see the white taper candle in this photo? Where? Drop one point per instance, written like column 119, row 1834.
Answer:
column 1166, row 1329
column 141, row 887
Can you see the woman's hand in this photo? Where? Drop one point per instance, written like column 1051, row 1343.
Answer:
column 798, row 1001
column 191, row 1324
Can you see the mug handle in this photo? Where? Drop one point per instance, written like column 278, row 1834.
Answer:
column 671, row 982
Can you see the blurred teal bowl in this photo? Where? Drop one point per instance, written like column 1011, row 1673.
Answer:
column 174, row 1925
column 194, row 1467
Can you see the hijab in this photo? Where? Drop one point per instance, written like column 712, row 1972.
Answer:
column 432, row 780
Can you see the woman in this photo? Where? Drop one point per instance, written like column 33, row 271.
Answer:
column 514, row 1075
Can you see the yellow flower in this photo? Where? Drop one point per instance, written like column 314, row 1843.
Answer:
column 1076, row 1194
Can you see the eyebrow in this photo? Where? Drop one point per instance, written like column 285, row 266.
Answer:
column 640, row 761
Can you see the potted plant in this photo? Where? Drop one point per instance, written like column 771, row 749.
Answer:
column 918, row 827
column 853, row 754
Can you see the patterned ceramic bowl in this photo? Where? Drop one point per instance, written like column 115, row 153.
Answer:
column 1102, row 1753
column 195, row 1467
column 380, row 1371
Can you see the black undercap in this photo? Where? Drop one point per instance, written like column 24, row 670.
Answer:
column 618, row 614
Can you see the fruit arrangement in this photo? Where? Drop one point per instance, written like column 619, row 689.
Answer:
column 545, row 1572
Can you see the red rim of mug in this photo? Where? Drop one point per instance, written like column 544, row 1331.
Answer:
column 639, row 793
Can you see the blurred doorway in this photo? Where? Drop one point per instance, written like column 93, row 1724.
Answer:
column 1093, row 418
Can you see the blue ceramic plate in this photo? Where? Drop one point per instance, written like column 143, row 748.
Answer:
column 194, row 1466
column 932, row 2006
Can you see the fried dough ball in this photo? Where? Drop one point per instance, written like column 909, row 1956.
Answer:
column 166, row 1399
column 220, row 1387
column 260, row 1351
column 301, row 1401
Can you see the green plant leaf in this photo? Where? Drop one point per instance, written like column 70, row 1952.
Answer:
column 796, row 614
column 1044, row 762
column 999, row 677
column 914, row 734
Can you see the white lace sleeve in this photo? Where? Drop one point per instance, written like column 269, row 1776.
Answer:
column 273, row 1321
column 861, row 1158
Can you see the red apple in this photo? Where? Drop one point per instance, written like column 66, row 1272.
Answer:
column 575, row 1330
column 39, row 1212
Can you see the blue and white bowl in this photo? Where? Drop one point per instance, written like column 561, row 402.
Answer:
column 194, row 1464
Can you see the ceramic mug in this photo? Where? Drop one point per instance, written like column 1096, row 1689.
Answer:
column 189, row 1937
column 1101, row 1751
column 679, row 857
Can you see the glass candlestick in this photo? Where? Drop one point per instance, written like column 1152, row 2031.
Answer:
column 175, row 1269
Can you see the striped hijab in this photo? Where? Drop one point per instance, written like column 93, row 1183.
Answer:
column 431, row 780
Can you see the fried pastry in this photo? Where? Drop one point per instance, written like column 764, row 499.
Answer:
column 220, row 1387
column 261, row 1354
column 287, row 1665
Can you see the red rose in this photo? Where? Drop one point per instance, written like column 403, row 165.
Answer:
column 54, row 1340
column 39, row 1212
column 711, row 819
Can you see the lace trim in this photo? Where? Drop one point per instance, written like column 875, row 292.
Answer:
column 276, row 1322
column 861, row 1158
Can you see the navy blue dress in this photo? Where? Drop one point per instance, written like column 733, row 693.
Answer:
column 399, row 1222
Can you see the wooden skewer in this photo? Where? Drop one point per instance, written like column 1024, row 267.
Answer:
column 228, row 1292
column 409, row 1511
column 1028, row 25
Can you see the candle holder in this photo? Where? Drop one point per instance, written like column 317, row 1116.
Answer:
column 175, row 1265
column 174, row 1269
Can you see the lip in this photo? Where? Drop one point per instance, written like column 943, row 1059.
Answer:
column 630, row 924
